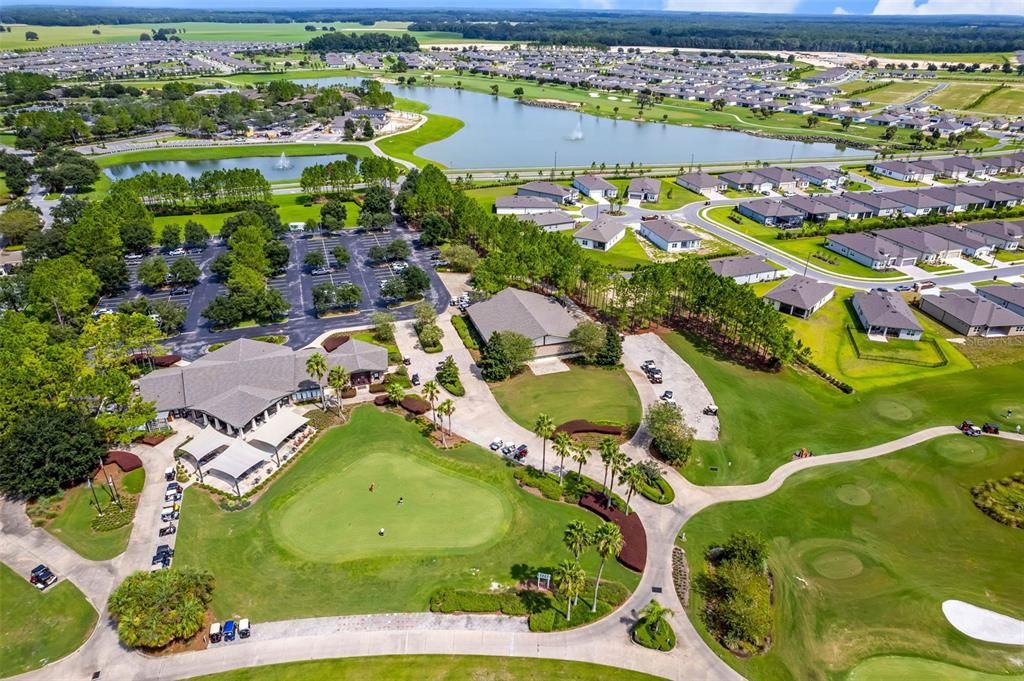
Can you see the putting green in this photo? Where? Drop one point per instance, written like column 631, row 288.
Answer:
column 965, row 450
column 854, row 495
column 339, row 518
column 838, row 565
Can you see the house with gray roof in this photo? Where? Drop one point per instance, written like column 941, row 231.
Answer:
column 701, row 182
column 955, row 199
column 540, row 318
column 904, row 171
column 549, row 190
column 973, row 315
column 800, row 296
column 994, row 194
column 523, row 205
column 819, row 176
column 1003, row 234
column 595, row 187
column 884, row 314
column 844, row 207
column 968, row 243
column 867, row 249
column 772, row 212
column 1010, row 297
column 745, row 269
column 242, row 384
column 600, row 235
column 645, row 189
column 923, row 246
column 552, row 221
column 668, row 236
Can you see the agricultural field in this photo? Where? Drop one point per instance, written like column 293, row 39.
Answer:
column 958, row 95
column 895, row 93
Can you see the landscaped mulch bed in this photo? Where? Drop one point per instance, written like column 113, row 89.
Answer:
column 584, row 426
column 153, row 440
column 332, row 343
column 415, row 405
column 634, row 548
column 126, row 461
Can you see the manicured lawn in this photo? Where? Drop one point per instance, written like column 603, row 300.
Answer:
column 939, row 58
column 405, row 145
column 74, row 525
column 485, row 196
column 672, row 196
column 880, row 179
column 624, row 255
column 431, row 668
column 309, row 546
column 211, row 221
column 765, row 417
column 291, row 208
column 864, row 554
column 958, row 95
column 895, row 93
column 39, row 627
column 229, row 151
column 738, row 194
column 827, row 336
column 584, row 392
column 896, row 668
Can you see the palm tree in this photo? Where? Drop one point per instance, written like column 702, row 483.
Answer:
column 337, row 378
column 580, row 454
column 563, row 447
column 316, row 366
column 632, row 477
column 446, row 408
column 609, row 448
column 608, row 542
column 395, row 392
column 432, row 390
column 618, row 464
column 655, row 613
column 544, row 428
column 569, row 579
column 576, row 538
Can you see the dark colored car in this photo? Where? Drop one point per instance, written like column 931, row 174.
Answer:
column 990, row 428
column 229, row 630
column 167, row 531
column 415, row 379
column 521, row 452
column 41, row 577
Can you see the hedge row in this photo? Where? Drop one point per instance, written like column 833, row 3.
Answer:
column 467, row 336
column 584, row 426
column 513, row 603
column 661, row 493
column 842, row 385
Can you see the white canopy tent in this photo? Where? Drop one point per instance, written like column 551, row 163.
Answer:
column 206, row 442
column 276, row 430
column 235, row 461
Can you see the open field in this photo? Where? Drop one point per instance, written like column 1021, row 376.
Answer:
column 958, row 95
column 939, row 58
column 864, row 554
column 485, row 196
column 39, row 627
column 1008, row 102
column 598, row 394
column 229, row 151
column 431, row 668
column 625, row 255
column 281, row 557
column 404, row 146
column 50, row 36
column 765, row 417
column 291, row 208
column 899, row 668
column 896, row 92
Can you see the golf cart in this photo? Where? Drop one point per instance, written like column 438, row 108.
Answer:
column 229, row 630
column 969, row 429
column 168, row 530
column 244, row 630
column 169, row 474
column 711, row 410
column 496, row 444
column 992, row 428
column 215, row 632
column 41, row 577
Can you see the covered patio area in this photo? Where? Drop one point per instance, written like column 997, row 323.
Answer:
column 280, row 435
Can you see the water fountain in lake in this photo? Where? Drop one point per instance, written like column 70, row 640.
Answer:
column 577, row 133
column 283, row 163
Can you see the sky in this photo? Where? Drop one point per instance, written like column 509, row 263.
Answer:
column 857, row 7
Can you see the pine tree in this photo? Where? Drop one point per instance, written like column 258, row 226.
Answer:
column 611, row 354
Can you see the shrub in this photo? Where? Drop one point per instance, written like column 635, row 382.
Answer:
column 113, row 517
column 415, row 404
column 153, row 609
column 512, row 603
column 644, row 634
column 660, row 492
column 737, row 594
column 467, row 335
column 545, row 483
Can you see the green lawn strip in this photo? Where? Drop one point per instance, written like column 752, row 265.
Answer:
column 290, row 207
column 861, row 171
column 863, row 555
column 900, row 668
column 625, row 255
column 309, row 546
column 394, row 354
column 828, row 334
column 939, row 58
column 431, row 668
column 1010, row 256
column 958, row 95
column 38, row 627
column 807, row 248
column 73, row 526
column 404, row 145
column 485, row 196
column 765, row 417
column 598, row 394
column 229, row 151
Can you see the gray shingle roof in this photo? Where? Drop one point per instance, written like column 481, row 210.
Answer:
column 740, row 265
column 524, row 312
column 669, row 231
column 801, row 291
column 549, row 219
column 525, row 202
column 645, row 185
column 886, row 308
column 602, row 229
column 974, row 310
column 592, row 182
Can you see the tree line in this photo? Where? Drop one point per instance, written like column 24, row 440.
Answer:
column 363, row 42
column 212, row 189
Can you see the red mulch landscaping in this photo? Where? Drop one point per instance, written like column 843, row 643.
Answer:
column 584, row 426
column 415, row 404
column 160, row 362
column 634, row 547
column 382, row 400
column 152, row 440
column 332, row 343
column 126, row 461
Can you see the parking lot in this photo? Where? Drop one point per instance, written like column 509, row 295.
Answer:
column 136, row 289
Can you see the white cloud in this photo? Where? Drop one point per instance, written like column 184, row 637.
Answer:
column 839, row 10
column 981, row 7
column 775, row 7
column 598, row 4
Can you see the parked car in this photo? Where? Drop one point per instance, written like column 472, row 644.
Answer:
column 647, row 364
column 924, row 285
column 229, row 630
column 496, row 444
column 321, row 270
column 667, row 395
column 164, row 549
column 176, row 251
column 406, row 361
column 168, row 530
column 969, row 429
column 161, row 561
column 521, row 452
column 41, row 577
column 244, row 629
column 134, row 256
column 508, row 449
column 415, row 379
column 399, row 266
column 169, row 473
column 179, row 291
column 904, row 287
column 215, row 632
column 172, row 496
column 990, row 428
column 647, row 218
column 655, row 376
column 169, row 513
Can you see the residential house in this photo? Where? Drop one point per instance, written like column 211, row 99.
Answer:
column 867, row 249
column 549, row 190
column 916, row 203
column 700, row 182
column 745, row 269
column 812, row 209
column 540, row 318
column 668, row 236
column 925, row 247
column 880, row 204
column 994, row 194
column 973, row 315
column 955, row 199
column 819, row 176
column 746, row 181
column 845, row 207
column 1005, row 235
column 523, row 205
column 645, row 189
column 781, row 179
column 1010, row 297
column 903, row 171
column 969, row 244
column 800, row 296
column 600, row 235
column 552, row 221
column 595, row 187
column 772, row 212
column 884, row 314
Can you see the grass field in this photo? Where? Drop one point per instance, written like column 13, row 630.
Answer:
column 291, row 208
column 958, row 95
column 864, row 554
column 896, row 668
column 309, row 546
column 232, row 151
column 827, row 336
column 50, row 36
column 1008, row 102
column 584, row 392
column 894, row 93
column 405, row 145
column 431, row 668
column 939, row 58
column 74, row 525
column 625, row 255
column 39, row 627
column 765, row 417
column 485, row 196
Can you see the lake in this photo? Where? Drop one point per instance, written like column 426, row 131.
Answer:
column 501, row 132
column 268, row 165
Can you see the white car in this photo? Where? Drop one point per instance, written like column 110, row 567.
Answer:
column 497, row 444
column 177, row 251
column 134, row 256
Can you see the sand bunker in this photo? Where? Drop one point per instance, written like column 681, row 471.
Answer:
column 984, row 625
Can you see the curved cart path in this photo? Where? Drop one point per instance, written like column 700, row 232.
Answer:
column 478, row 419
